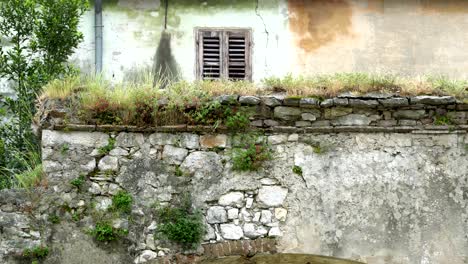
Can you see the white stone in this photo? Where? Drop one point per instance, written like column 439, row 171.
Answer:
column 231, row 231
column 249, row 203
column 150, row 242
column 216, row 215
column 163, row 139
column 210, row 233
column 190, row 141
column 74, row 138
column 262, row 231
column 293, row 137
column 245, row 215
column 89, row 167
column 109, row 163
column 146, row 256
column 308, row 117
column 118, row 152
column 152, row 226
column 95, row 188
column 275, row 232
column 161, row 253
column 113, row 188
column 202, row 164
column 232, row 199
column 128, row 140
column 271, row 196
column 250, row 230
column 280, row 214
column 266, row 217
column 268, row 181
column 173, row 155
column 277, row 139
column 257, row 216
column 103, row 204
column 233, row 213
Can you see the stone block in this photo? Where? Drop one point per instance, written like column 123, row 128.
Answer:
column 231, row 231
column 271, row 101
column 249, row 100
column 309, row 102
column 394, row 102
column 235, row 199
column 287, row 113
column 363, row 103
column 271, row 196
column 433, row 100
column 213, row 141
column 337, row 112
column 174, row 155
column 216, row 215
column 409, row 114
column 189, row 141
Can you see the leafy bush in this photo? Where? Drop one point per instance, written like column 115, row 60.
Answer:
column 122, row 202
column 181, row 224
column 54, row 219
column 40, row 37
column 238, row 121
column 104, row 232
column 443, row 121
column 39, row 252
column 251, row 156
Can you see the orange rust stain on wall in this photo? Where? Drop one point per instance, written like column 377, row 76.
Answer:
column 445, row 6
column 316, row 23
column 375, row 6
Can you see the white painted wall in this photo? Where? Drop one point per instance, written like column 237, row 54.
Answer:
column 131, row 36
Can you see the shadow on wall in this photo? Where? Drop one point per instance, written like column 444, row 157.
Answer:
column 165, row 67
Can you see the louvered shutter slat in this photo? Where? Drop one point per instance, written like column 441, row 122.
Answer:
column 211, row 55
column 236, row 51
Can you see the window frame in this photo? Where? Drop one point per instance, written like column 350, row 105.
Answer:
column 224, row 32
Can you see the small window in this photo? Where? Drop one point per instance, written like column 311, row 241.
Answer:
column 224, row 54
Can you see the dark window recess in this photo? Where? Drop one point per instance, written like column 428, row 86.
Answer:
column 223, row 54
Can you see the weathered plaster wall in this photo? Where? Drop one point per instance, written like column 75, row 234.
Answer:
column 405, row 37
column 132, row 32
column 296, row 36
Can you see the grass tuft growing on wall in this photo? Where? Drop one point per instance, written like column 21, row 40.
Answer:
column 145, row 102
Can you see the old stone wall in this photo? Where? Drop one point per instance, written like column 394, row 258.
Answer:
column 392, row 197
column 374, row 192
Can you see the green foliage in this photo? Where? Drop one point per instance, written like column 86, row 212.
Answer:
column 105, row 232
column 238, row 121
column 297, row 170
column 181, row 224
column 78, row 182
column 251, row 155
column 318, row 149
column 178, row 171
column 41, row 35
column 64, row 148
column 107, row 148
column 443, row 121
column 37, row 253
column 122, row 202
column 54, row 219
column 210, row 113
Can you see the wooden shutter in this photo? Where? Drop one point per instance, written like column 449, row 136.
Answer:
column 223, row 54
column 237, row 54
column 210, row 58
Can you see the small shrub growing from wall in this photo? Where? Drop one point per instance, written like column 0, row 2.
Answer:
column 105, row 232
column 251, row 154
column 36, row 254
column 181, row 224
column 122, row 202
